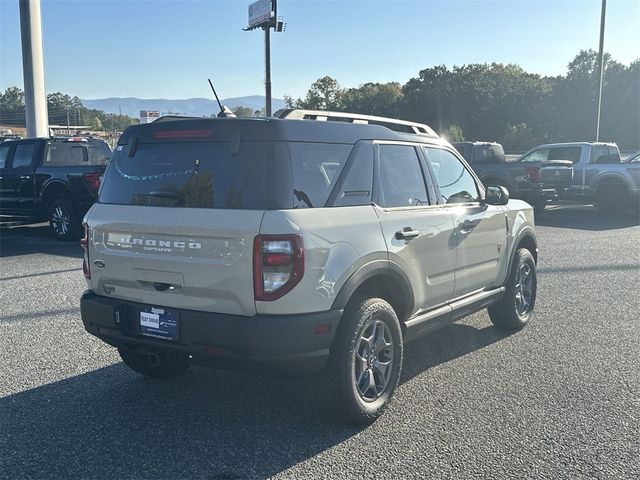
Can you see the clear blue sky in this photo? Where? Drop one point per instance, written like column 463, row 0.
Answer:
column 167, row 49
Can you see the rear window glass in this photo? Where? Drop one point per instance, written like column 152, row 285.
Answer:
column 488, row 154
column 316, row 167
column 190, row 175
column 605, row 155
column 77, row 153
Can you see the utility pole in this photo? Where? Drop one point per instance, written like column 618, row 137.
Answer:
column 600, row 68
column 33, row 69
column 68, row 130
column 264, row 14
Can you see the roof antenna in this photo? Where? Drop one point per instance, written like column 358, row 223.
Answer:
column 225, row 112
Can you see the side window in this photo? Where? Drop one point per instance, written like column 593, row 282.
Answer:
column 23, row 156
column 464, row 150
column 456, row 184
column 401, row 180
column 565, row 153
column 4, row 154
column 540, row 155
column 356, row 183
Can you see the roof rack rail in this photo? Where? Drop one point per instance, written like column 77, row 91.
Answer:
column 326, row 116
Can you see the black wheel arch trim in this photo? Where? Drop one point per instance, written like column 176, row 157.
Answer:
column 51, row 184
column 370, row 270
column 526, row 232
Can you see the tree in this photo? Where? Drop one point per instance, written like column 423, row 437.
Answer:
column 453, row 133
column 324, row 94
column 381, row 99
column 96, row 124
column 243, row 112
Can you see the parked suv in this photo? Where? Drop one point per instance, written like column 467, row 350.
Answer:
column 54, row 179
column 298, row 246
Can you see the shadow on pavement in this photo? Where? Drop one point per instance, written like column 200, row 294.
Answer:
column 112, row 423
column 583, row 217
column 30, row 239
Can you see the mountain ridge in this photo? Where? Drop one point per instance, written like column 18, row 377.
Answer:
column 196, row 106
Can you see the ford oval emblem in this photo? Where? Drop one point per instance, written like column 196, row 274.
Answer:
column 99, row 263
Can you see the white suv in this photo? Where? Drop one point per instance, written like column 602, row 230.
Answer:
column 317, row 242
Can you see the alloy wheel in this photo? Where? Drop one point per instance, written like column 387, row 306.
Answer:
column 373, row 360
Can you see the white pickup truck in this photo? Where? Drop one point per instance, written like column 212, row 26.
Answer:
column 599, row 175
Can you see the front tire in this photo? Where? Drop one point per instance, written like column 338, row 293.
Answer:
column 514, row 310
column 64, row 220
column 160, row 365
column 366, row 360
column 613, row 199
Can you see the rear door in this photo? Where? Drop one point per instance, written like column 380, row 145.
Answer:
column 18, row 179
column 5, row 158
column 175, row 223
column 419, row 234
column 480, row 229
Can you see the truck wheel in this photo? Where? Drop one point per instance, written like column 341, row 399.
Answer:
column 63, row 219
column 513, row 311
column 366, row 360
column 152, row 364
column 613, row 199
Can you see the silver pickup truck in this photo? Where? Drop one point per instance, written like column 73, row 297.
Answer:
column 599, row 175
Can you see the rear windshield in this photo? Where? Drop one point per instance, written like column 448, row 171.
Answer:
column 77, row 153
column 191, row 175
column 488, row 154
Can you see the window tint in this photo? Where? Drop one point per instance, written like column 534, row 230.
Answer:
column 99, row 153
column 190, row 175
column 401, row 180
column 539, row 155
column 316, row 167
column 464, row 150
column 565, row 153
column 4, row 153
column 356, row 183
column 605, row 155
column 455, row 182
column 23, row 155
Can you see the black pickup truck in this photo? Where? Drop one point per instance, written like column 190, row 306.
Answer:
column 532, row 181
column 55, row 179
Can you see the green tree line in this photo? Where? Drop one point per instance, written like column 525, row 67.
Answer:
column 59, row 105
column 500, row 102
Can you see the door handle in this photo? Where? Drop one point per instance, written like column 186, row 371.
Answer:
column 468, row 225
column 25, row 177
column 407, row 233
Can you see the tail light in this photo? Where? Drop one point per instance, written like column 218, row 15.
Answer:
column 92, row 180
column 278, row 265
column 533, row 173
column 84, row 243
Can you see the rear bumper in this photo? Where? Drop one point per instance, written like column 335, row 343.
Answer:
column 284, row 345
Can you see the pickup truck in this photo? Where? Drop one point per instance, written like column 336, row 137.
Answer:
column 54, row 179
column 534, row 181
column 599, row 175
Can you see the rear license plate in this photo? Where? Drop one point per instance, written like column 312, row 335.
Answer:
column 159, row 323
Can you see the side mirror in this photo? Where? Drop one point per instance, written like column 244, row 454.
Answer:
column 496, row 195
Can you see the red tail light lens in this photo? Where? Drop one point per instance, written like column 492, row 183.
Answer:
column 84, row 243
column 92, row 180
column 533, row 173
column 278, row 265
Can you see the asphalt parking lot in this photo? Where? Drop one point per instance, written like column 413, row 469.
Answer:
column 560, row 399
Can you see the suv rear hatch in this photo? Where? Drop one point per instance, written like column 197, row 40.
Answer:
column 176, row 219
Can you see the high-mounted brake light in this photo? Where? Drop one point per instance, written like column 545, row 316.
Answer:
column 278, row 265
column 163, row 134
column 84, row 243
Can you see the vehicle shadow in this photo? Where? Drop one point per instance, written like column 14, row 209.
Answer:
column 584, row 217
column 112, row 423
column 29, row 239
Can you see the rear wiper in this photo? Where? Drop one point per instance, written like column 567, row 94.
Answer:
column 302, row 197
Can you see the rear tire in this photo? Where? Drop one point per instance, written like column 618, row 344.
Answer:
column 366, row 361
column 168, row 364
column 64, row 220
column 613, row 199
column 514, row 310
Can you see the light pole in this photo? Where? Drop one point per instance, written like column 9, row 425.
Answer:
column 600, row 68
column 264, row 14
column 33, row 69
